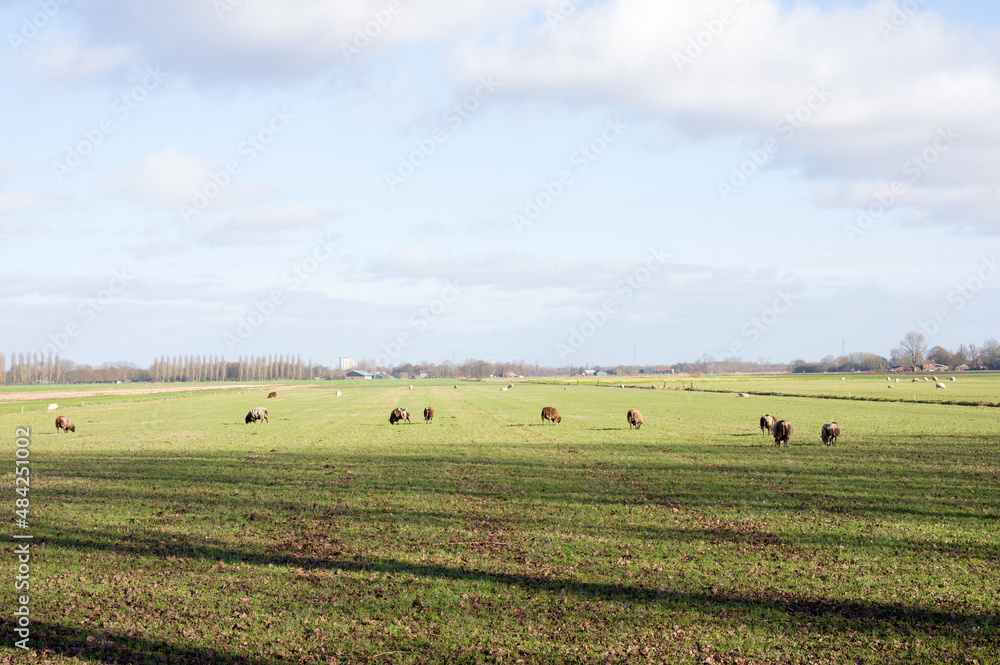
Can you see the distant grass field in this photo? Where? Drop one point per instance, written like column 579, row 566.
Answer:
column 167, row 530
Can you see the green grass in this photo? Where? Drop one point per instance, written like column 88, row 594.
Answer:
column 166, row 530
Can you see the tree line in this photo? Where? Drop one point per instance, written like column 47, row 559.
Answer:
column 33, row 368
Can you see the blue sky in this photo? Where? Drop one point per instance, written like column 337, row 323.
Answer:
column 554, row 181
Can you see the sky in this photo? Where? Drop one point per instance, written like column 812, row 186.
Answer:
column 552, row 181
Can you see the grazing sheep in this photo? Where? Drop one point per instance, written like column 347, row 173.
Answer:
column 428, row 415
column 914, row 380
column 897, row 380
column 339, row 393
column 456, row 386
column 782, row 431
column 54, row 406
column 255, row 414
column 935, row 378
column 398, row 414
column 623, row 385
column 888, row 378
column 270, row 395
column 549, row 413
column 951, row 378
column 843, row 378
column 634, row 418
column 829, row 433
column 744, row 395
column 65, row 424
column 890, row 386
column 941, row 386
column 411, row 387
column 766, row 423
column 509, row 386
column 926, row 379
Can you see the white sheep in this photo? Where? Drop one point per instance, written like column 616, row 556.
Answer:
column 339, row 393
column 940, row 385
column 411, row 387
column 54, row 406
column 951, row 378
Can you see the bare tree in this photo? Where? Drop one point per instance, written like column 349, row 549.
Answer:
column 914, row 348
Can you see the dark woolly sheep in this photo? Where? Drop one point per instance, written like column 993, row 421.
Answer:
column 398, row 414
column 65, row 424
column 428, row 415
column 766, row 423
column 634, row 418
column 829, row 433
column 255, row 414
column 270, row 395
column 782, row 431
column 550, row 413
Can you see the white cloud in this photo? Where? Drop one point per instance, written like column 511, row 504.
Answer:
column 877, row 102
column 172, row 179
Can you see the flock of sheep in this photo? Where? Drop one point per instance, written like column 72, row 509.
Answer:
column 781, row 430
column 937, row 384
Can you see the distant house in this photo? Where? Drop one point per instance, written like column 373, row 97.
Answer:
column 656, row 370
column 962, row 368
column 358, row 374
column 602, row 373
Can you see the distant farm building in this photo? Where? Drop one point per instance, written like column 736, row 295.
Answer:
column 359, row 374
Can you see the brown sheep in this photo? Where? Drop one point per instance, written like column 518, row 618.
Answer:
column 829, row 433
column 398, row 414
column 65, row 424
column 766, row 423
column 255, row 414
column 782, row 431
column 270, row 395
column 549, row 413
column 634, row 418
column 428, row 415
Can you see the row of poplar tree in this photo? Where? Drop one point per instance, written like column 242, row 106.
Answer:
column 32, row 368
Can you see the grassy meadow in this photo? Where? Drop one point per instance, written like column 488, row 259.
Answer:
column 168, row 531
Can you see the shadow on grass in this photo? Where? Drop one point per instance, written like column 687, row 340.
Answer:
column 109, row 647
column 855, row 615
